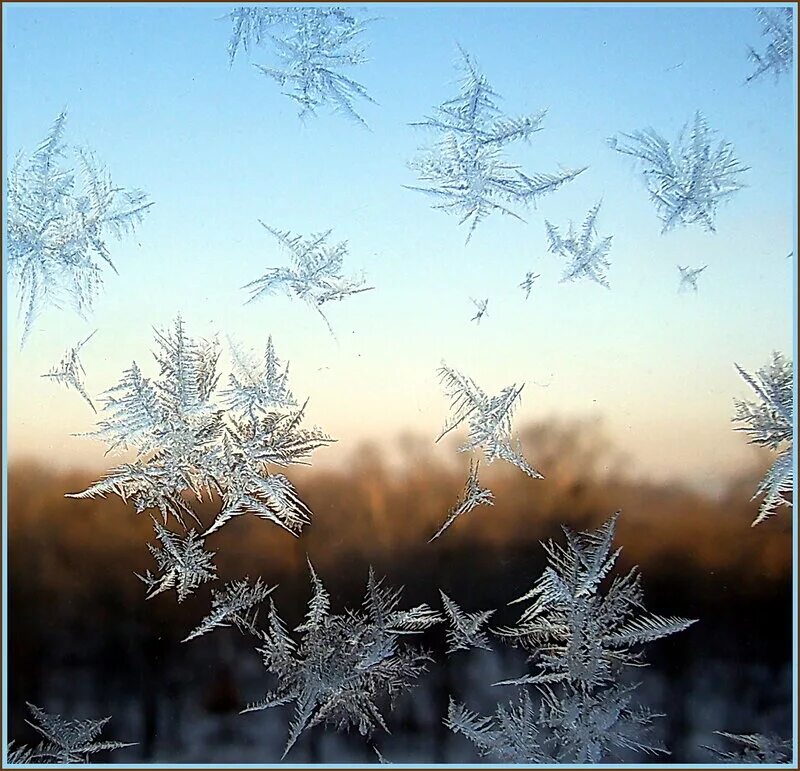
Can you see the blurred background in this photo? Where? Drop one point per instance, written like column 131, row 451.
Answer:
column 628, row 397
column 84, row 642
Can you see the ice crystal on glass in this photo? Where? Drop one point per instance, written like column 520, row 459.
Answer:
column 689, row 178
column 343, row 664
column 464, row 629
column 488, row 419
column 753, row 748
column 313, row 47
column 183, row 563
column 70, row 371
column 62, row 210
column 473, row 496
column 768, row 423
column 778, row 56
column 466, row 172
column 586, row 254
column 315, row 275
column 688, row 278
column 189, row 441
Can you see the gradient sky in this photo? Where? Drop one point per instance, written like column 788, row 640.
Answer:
column 148, row 87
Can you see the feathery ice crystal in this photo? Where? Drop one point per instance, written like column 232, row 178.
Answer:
column 466, row 171
column 688, row 277
column 473, row 496
column 186, row 441
column 777, row 57
column 312, row 45
column 59, row 221
column 343, row 663
column 489, row 419
column 315, row 275
column 70, row 371
column 769, row 423
column 587, row 257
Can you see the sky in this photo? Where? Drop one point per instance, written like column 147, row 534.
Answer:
column 218, row 148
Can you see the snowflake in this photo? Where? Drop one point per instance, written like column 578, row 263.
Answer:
column 686, row 180
column 754, row 748
column 527, row 283
column 587, row 257
column 474, row 495
column 70, row 371
column 777, row 57
column 59, row 221
column 769, row 424
column 65, row 741
column 312, row 45
column 343, row 663
column 316, row 273
column 689, row 276
column 182, row 562
column 236, row 603
column 466, row 171
column 464, row 629
column 581, row 636
column 480, row 309
column 489, row 419
column 185, row 441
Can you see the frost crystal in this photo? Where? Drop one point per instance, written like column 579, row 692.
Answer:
column 527, row 283
column 183, row 563
column 315, row 275
column 581, row 639
column 489, row 419
column 466, row 171
column 776, row 26
column 754, row 748
column 312, row 46
column 480, row 308
column 474, row 495
column 236, row 603
column 187, row 442
column 688, row 179
column 587, row 256
column 59, row 222
column 343, row 663
column 65, row 741
column 580, row 635
column 70, row 371
column 688, row 279
column 464, row 629
column 769, row 423
column 512, row 735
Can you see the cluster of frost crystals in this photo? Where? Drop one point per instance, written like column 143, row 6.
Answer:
column 688, row 277
column 343, row 664
column 777, row 57
column 236, row 603
column 466, row 171
column 580, row 638
column 70, row 372
column 313, row 47
column 183, row 563
column 768, row 423
column 488, row 418
column 65, row 741
column 689, row 178
column 473, row 496
column 315, row 275
column 753, row 748
column 62, row 209
column 586, row 255
column 188, row 441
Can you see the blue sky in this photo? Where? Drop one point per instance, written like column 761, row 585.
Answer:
column 218, row 148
